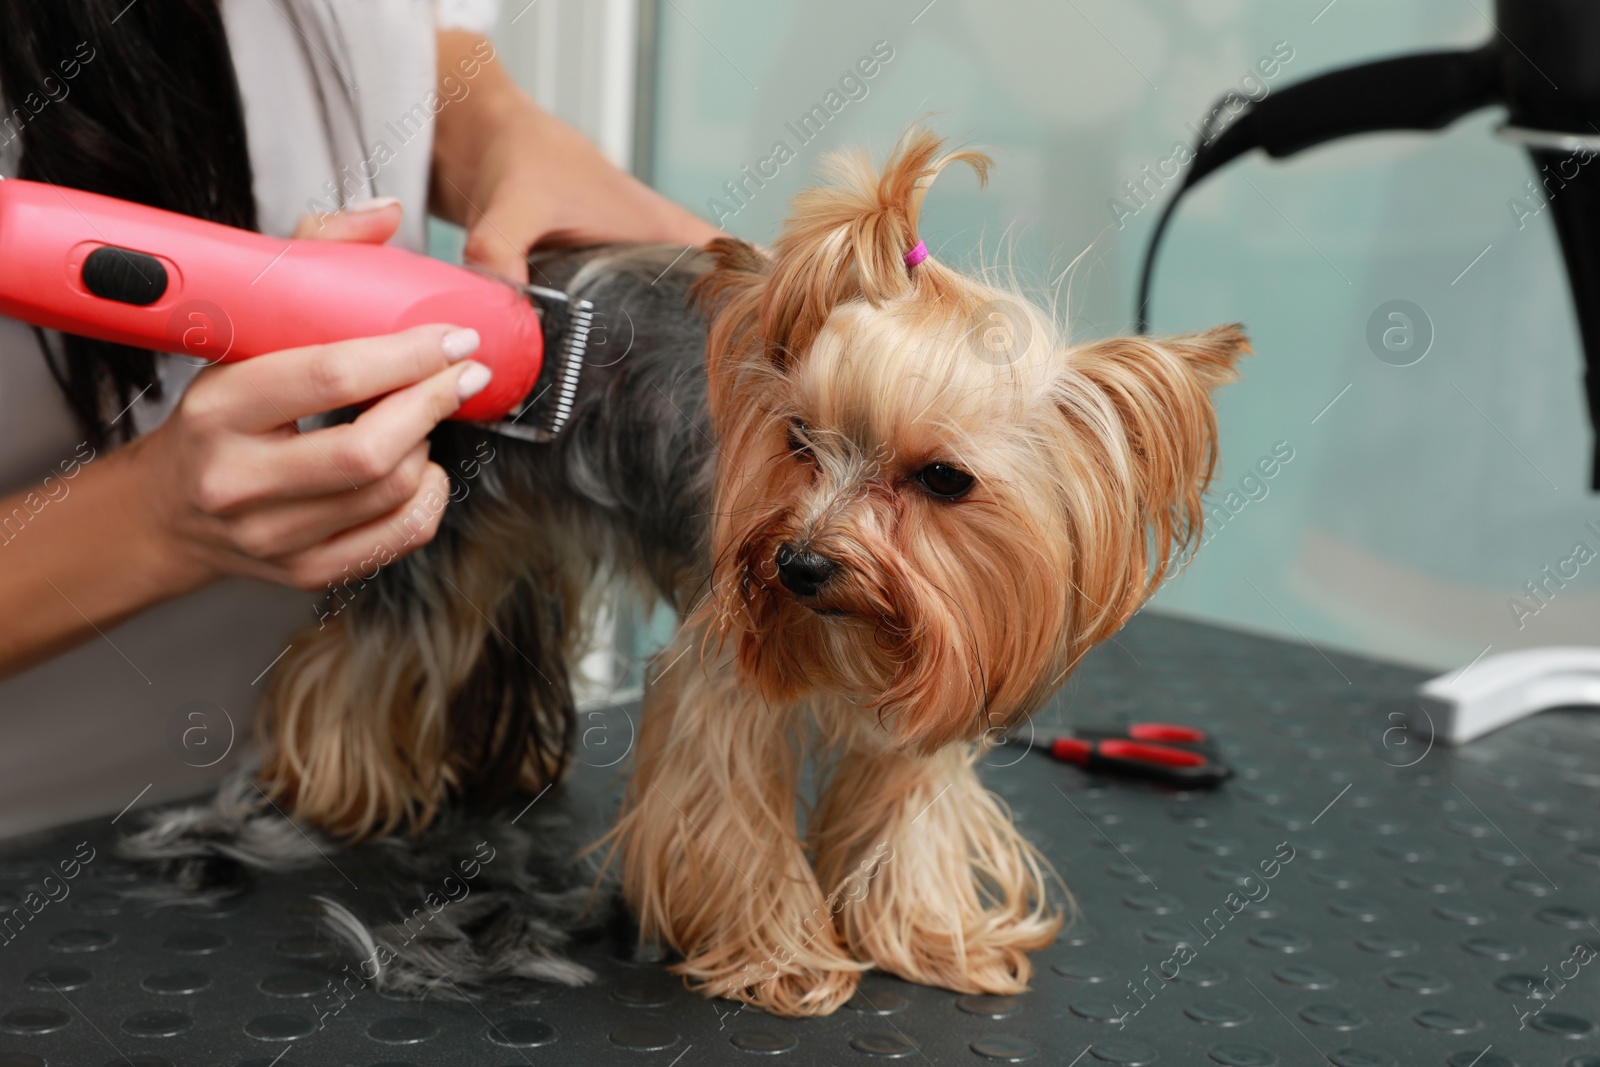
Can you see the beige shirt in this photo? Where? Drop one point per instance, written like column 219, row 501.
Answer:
column 115, row 719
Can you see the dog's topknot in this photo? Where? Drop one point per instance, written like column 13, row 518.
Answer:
column 848, row 237
column 844, row 240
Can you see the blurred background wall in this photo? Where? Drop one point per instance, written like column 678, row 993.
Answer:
column 1411, row 506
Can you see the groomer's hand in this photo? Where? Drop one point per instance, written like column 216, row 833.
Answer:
column 229, row 486
column 516, row 176
column 234, row 487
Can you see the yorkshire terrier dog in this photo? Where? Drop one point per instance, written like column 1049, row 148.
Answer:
column 893, row 509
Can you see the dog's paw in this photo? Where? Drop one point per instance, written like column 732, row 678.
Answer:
column 790, row 991
column 804, row 992
column 989, row 955
column 952, row 895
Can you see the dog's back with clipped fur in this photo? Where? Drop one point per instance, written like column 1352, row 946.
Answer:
column 446, row 674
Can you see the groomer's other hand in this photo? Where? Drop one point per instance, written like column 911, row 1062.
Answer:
column 370, row 222
column 516, row 176
column 234, row 487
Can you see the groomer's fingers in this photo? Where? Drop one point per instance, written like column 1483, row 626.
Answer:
column 365, row 221
column 501, row 237
column 259, row 394
column 373, row 545
column 276, row 530
column 356, row 454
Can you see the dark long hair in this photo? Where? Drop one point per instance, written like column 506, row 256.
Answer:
column 132, row 100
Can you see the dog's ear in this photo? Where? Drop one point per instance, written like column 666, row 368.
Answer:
column 737, row 268
column 1143, row 406
column 730, row 295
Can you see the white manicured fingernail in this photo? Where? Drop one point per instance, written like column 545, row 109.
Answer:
column 459, row 344
column 376, row 203
column 472, row 380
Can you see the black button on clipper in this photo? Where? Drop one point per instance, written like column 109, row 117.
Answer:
column 124, row 275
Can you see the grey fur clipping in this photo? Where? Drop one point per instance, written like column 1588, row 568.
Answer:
column 455, row 958
column 471, row 907
column 205, row 851
column 481, row 944
column 475, row 906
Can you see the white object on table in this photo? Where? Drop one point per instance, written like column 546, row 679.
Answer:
column 1499, row 690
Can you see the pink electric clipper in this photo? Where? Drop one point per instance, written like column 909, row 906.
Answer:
column 117, row 271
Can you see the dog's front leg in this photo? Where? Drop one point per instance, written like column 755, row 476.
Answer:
column 712, row 861
column 936, row 884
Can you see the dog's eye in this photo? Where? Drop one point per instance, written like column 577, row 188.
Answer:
column 944, row 481
column 798, row 445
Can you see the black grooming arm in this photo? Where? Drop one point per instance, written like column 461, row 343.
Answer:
column 1420, row 92
column 1542, row 63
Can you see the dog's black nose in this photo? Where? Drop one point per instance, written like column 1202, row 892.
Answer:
column 802, row 571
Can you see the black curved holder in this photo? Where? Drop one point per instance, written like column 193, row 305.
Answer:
column 1542, row 64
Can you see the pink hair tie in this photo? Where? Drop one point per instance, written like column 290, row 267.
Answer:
column 916, row 255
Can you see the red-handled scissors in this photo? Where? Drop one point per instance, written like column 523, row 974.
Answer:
column 1164, row 752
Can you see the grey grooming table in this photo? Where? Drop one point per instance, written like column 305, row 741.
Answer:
column 1419, row 900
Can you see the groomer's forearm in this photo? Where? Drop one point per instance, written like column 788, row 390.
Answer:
column 517, row 177
column 78, row 554
column 477, row 93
